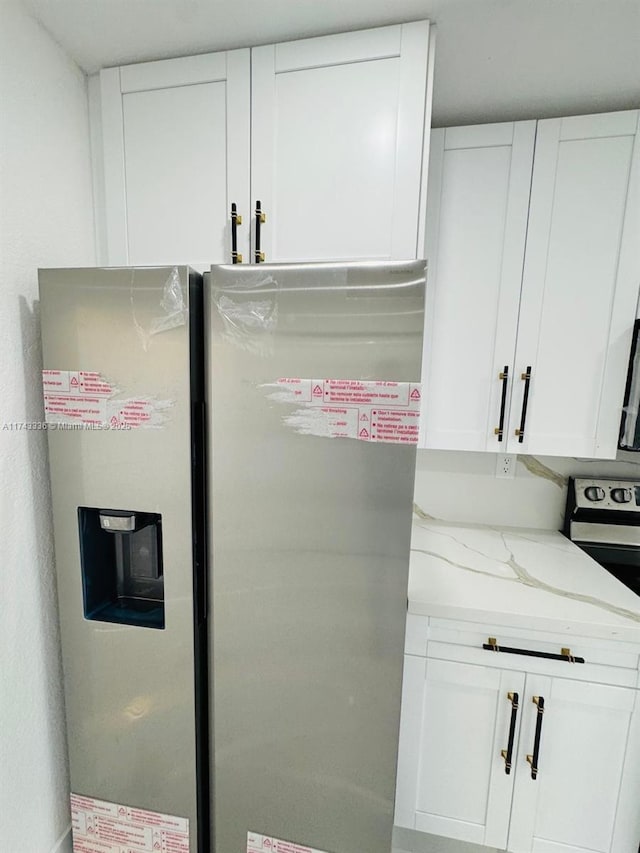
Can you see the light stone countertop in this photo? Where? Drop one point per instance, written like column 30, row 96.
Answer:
column 516, row 577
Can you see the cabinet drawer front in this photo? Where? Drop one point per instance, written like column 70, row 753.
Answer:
column 601, row 653
column 594, row 673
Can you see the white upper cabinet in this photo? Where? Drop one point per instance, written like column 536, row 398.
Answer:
column 580, row 285
column 337, row 144
column 533, row 282
column 175, row 139
column 476, row 230
column 327, row 133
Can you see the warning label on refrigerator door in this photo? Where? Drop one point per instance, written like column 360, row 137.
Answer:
column 257, row 843
column 102, row 827
column 376, row 411
column 86, row 398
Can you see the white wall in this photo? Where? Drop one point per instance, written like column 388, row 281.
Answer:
column 463, row 487
column 45, row 220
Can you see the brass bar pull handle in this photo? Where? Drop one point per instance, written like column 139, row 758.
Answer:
column 504, row 377
column 526, row 377
column 260, row 220
column 236, row 219
column 507, row 753
column 533, row 759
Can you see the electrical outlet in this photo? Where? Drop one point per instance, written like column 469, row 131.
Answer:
column 505, row 466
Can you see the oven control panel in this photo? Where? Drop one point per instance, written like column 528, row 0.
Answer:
column 619, row 495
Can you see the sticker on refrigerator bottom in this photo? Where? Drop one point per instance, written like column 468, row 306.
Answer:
column 257, row 843
column 102, row 827
column 367, row 410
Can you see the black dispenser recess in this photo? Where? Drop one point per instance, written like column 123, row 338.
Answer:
column 121, row 559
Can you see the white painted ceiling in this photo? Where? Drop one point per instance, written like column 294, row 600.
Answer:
column 495, row 59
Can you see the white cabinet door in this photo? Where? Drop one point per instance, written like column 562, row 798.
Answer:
column 337, row 144
column 572, row 805
column 580, row 285
column 175, row 138
column 451, row 775
column 476, row 229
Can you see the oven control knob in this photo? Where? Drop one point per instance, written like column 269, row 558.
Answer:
column 594, row 493
column 621, row 496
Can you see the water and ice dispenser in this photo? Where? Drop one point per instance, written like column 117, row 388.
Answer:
column 121, row 559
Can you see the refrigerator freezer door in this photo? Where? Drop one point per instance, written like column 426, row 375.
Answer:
column 123, row 335
column 310, row 550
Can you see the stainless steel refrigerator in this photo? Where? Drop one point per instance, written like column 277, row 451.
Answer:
column 247, row 699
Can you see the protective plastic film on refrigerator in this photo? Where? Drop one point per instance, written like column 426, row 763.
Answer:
column 247, row 700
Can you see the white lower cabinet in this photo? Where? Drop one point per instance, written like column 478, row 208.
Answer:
column 458, row 786
column 473, row 738
column 572, row 805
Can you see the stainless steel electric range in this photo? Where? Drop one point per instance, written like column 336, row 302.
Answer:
column 603, row 518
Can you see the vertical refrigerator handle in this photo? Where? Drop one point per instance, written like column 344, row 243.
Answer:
column 260, row 220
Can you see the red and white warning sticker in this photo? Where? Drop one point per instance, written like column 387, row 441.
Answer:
column 87, row 398
column 141, row 412
column 257, row 843
column 102, row 827
column 375, row 411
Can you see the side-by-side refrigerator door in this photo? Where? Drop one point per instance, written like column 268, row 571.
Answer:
column 119, row 393
column 314, row 391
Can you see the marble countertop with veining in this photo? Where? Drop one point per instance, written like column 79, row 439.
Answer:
column 516, row 577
